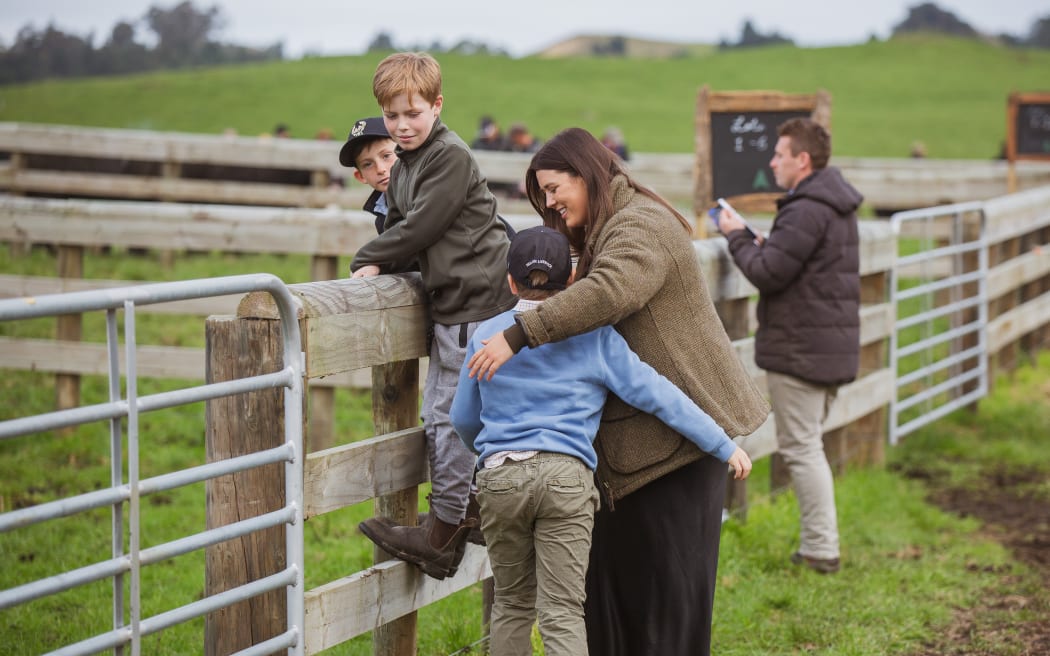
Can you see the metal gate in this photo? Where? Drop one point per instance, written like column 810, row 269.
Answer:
column 125, row 496
column 938, row 288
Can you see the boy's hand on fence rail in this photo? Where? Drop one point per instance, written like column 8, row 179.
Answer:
column 487, row 360
column 741, row 464
column 366, row 271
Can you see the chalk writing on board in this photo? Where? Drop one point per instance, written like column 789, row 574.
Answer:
column 741, row 147
column 1033, row 129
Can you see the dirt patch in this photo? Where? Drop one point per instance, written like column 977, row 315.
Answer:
column 1017, row 515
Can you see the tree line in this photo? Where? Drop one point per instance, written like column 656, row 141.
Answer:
column 923, row 18
column 183, row 36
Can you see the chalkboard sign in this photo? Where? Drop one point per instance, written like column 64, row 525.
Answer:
column 736, row 132
column 1030, row 126
column 741, row 146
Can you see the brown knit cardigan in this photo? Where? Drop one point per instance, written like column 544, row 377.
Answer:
column 646, row 281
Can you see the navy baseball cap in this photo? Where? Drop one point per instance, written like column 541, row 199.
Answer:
column 540, row 249
column 363, row 132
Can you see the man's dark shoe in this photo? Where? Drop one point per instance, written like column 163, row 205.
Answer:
column 411, row 544
column 822, row 565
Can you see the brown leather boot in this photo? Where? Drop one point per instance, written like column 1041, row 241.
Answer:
column 414, row 544
column 473, row 512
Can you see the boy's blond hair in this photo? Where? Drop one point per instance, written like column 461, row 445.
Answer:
column 408, row 73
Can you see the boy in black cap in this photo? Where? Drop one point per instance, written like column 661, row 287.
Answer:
column 369, row 150
column 532, row 428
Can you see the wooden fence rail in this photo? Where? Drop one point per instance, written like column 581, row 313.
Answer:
column 66, row 161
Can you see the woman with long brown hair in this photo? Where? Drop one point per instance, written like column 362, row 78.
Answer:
column 652, row 572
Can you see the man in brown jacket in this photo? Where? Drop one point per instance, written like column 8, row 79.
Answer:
column 808, row 339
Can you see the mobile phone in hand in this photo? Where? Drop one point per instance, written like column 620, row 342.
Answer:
column 724, row 205
column 713, row 213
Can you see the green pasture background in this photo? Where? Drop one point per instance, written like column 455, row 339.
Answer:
column 948, row 93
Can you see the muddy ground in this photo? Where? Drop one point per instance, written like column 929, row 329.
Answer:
column 1017, row 516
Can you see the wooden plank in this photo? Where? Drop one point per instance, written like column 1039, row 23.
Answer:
column 886, row 183
column 1017, row 214
column 91, row 359
column 193, row 227
column 353, row 473
column 31, row 286
column 140, row 187
column 364, row 339
column 1009, row 326
column 361, row 602
column 187, row 363
column 334, row 297
column 1017, row 272
column 149, row 145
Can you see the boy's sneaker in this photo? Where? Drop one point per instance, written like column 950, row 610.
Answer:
column 822, row 565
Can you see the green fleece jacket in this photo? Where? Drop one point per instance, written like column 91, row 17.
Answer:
column 646, row 281
column 440, row 210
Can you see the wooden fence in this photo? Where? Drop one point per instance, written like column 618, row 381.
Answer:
column 379, row 323
column 64, row 161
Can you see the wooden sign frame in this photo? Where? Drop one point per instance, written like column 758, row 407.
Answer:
column 1013, row 105
column 709, row 102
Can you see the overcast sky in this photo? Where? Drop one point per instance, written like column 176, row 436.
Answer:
column 519, row 26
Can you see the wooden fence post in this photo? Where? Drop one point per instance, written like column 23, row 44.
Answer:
column 1005, row 359
column 238, row 425
column 69, row 328
column 395, row 406
column 735, row 315
column 863, row 441
column 322, row 399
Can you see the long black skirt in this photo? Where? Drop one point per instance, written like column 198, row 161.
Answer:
column 654, row 559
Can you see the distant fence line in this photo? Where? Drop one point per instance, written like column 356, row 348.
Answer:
column 55, row 160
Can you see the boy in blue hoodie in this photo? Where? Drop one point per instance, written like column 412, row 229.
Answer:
column 532, row 428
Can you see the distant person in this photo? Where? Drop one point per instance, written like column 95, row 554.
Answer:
column 282, row 131
column 654, row 555
column 533, row 426
column 489, row 136
column 918, row 150
column 613, row 139
column 808, row 339
column 370, row 151
column 441, row 214
column 324, row 134
column 521, row 140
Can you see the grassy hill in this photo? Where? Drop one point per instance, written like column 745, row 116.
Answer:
column 949, row 93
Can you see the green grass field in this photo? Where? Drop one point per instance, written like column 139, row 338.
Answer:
column 950, row 94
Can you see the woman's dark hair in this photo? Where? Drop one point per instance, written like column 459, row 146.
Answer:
column 575, row 151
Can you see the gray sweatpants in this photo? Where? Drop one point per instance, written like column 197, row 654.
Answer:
column 451, row 463
column 800, row 408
